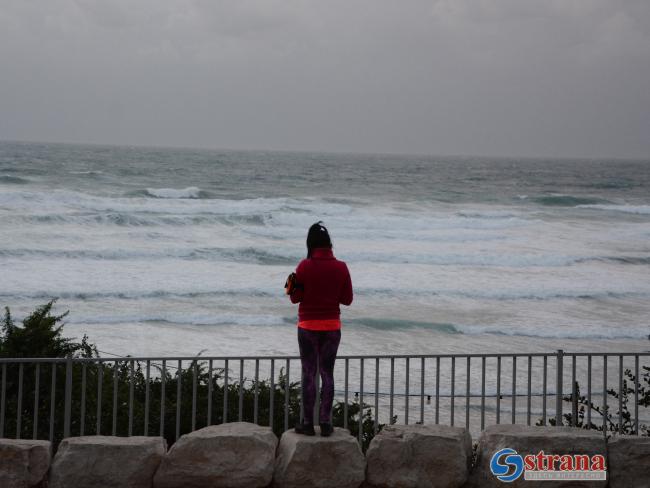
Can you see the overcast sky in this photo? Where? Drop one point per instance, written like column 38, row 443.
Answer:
column 470, row 77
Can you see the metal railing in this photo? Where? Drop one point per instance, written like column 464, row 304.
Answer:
column 48, row 398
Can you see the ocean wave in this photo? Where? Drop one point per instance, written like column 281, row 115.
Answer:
column 550, row 332
column 183, row 319
column 189, row 192
column 14, row 180
column 613, row 184
column 70, row 201
column 634, row 209
column 395, row 324
column 290, row 257
column 138, row 295
column 568, row 201
column 494, row 214
column 541, row 294
column 87, row 173
column 559, row 331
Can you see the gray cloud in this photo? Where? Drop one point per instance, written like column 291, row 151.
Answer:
column 501, row 77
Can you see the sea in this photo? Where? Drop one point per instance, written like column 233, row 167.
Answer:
column 161, row 251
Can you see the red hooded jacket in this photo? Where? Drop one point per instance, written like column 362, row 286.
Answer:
column 326, row 283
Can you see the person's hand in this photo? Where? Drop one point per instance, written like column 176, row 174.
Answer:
column 290, row 284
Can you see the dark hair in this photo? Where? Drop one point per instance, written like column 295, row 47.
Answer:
column 317, row 237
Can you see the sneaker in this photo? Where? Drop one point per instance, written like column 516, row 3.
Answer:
column 326, row 429
column 305, row 429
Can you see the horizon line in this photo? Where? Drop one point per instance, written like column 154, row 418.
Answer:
column 321, row 151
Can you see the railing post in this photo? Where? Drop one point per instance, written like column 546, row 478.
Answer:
column 68, row 397
column 558, row 388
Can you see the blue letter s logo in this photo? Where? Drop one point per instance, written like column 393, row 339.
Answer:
column 511, row 458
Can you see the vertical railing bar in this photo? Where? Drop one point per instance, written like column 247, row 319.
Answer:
column 225, row 391
column 82, row 414
column 37, row 387
column 407, row 392
column 574, row 393
column 437, row 390
column 100, row 388
column 637, row 383
column 163, row 380
column 52, row 402
column 467, row 393
column 453, row 388
column 195, row 373
column 19, row 401
column 422, row 390
column 115, row 384
column 3, row 398
column 589, row 391
column 544, row 389
column 392, row 390
column 286, row 397
column 530, row 386
column 131, row 374
column 361, row 400
column 620, row 394
column 271, row 394
column 67, row 404
column 179, row 399
column 345, row 400
column 257, row 392
column 146, row 398
column 240, row 406
column 498, row 419
column 376, row 423
column 605, row 407
column 482, row 393
column 558, row 387
column 208, row 419
column 514, row 389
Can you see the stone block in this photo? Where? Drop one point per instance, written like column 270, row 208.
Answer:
column 23, row 463
column 629, row 462
column 414, row 456
column 106, row 462
column 530, row 440
column 233, row 455
column 319, row 462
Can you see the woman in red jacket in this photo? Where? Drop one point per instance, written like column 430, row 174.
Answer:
column 320, row 284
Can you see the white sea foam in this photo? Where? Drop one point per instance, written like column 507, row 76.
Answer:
column 634, row 209
column 190, row 192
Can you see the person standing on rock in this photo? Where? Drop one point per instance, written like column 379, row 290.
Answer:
column 320, row 284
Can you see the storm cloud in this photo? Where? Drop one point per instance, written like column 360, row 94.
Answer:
column 480, row 77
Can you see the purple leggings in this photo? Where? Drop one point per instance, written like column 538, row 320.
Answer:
column 318, row 349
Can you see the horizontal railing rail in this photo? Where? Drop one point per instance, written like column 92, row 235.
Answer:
column 53, row 398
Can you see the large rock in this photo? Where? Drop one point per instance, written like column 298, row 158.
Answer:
column 232, row 455
column 629, row 462
column 410, row 456
column 23, row 463
column 317, row 461
column 530, row 440
column 106, row 462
